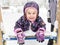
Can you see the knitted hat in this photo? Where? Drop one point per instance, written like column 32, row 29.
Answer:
column 31, row 4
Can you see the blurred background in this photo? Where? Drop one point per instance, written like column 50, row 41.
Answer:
column 12, row 10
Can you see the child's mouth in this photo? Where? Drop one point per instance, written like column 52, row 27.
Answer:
column 31, row 18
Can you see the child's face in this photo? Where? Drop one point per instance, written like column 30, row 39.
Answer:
column 31, row 14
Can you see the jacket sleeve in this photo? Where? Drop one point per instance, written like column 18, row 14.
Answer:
column 18, row 24
column 42, row 24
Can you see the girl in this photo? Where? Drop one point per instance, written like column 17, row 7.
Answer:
column 30, row 19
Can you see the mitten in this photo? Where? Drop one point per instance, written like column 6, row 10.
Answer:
column 20, row 35
column 40, row 34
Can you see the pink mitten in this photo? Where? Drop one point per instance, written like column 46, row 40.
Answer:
column 40, row 34
column 17, row 30
column 20, row 35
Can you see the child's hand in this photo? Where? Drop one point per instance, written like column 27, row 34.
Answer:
column 40, row 34
column 18, row 30
column 21, row 37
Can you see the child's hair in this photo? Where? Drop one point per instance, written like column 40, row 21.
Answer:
column 31, row 4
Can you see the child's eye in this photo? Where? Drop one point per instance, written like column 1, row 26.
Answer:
column 29, row 13
column 33, row 13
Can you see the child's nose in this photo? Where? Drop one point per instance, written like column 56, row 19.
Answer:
column 31, row 14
